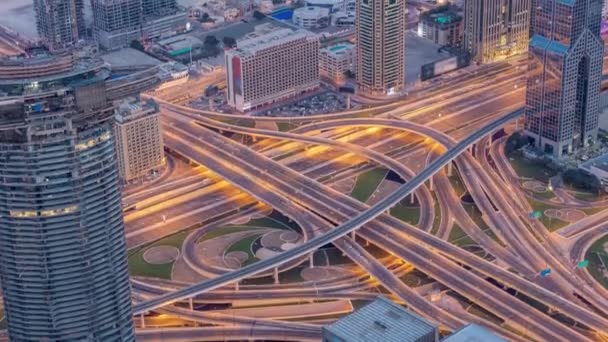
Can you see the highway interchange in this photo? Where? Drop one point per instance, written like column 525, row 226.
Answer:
column 433, row 133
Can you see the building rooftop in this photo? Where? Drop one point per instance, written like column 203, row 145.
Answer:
column 442, row 15
column 129, row 57
column 541, row 42
column 266, row 36
column 132, row 109
column 473, row 333
column 381, row 320
column 311, row 12
column 338, row 49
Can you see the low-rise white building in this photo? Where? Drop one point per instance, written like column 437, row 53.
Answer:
column 336, row 60
column 311, row 17
column 271, row 64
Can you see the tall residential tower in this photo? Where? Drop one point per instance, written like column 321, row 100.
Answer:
column 564, row 74
column 63, row 265
column 60, row 23
column 495, row 29
column 381, row 46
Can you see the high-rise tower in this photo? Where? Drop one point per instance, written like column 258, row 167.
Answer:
column 564, row 74
column 381, row 45
column 60, row 23
column 116, row 23
column 495, row 29
column 63, row 266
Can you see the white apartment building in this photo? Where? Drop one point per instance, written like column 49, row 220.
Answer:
column 271, row 64
column 337, row 59
column 139, row 140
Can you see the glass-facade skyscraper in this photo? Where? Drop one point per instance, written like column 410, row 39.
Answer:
column 63, row 266
column 564, row 74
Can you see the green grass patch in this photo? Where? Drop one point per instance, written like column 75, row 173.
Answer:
column 587, row 196
column 596, row 254
column 272, row 222
column 367, row 183
column 227, row 230
column 477, row 217
column 459, row 237
column 286, row 126
column 544, row 195
column 530, row 169
column 552, row 224
column 139, row 267
column 335, row 257
column 592, row 211
column 405, row 213
column 243, row 245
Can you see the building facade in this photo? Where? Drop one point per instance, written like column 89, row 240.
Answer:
column 442, row 26
column 63, row 265
column 60, row 23
column 564, row 75
column 116, row 23
column 167, row 23
column 336, row 60
column 139, row 140
column 496, row 29
column 270, row 65
column 381, row 46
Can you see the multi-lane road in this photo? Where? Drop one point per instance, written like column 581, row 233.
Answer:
column 281, row 172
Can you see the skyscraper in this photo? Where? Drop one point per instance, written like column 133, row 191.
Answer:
column 116, row 23
column 564, row 74
column 495, row 29
column 381, row 45
column 63, row 266
column 60, row 23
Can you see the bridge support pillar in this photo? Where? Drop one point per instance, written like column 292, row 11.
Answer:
column 236, row 286
column 142, row 320
column 353, row 235
column 431, row 183
column 311, row 260
column 348, row 102
column 276, row 275
column 490, row 137
column 412, row 198
column 191, row 303
column 449, row 169
column 211, row 104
